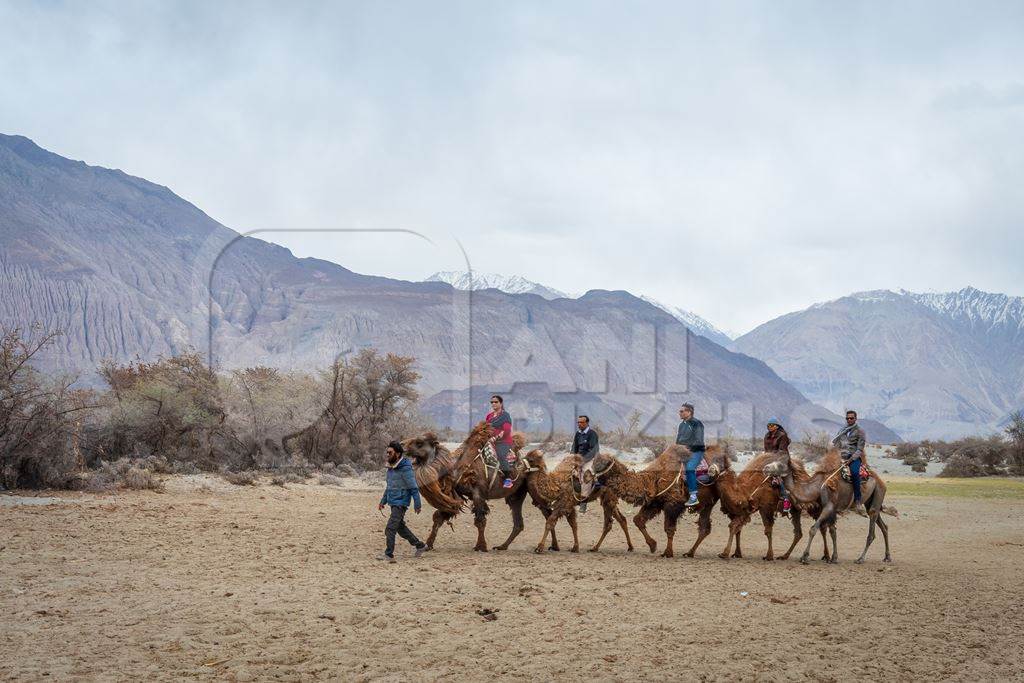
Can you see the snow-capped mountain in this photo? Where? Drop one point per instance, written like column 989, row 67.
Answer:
column 514, row 284
column 510, row 284
column 931, row 365
column 694, row 322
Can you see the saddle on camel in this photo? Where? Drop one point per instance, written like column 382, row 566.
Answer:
column 468, row 476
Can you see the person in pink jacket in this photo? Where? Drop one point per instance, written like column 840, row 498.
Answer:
column 501, row 422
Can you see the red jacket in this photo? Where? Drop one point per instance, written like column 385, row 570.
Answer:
column 501, row 422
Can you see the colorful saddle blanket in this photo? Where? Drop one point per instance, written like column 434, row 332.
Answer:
column 865, row 473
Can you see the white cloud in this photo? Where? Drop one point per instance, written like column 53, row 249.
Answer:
column 737, row 162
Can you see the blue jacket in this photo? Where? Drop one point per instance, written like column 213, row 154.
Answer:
column 401, row 486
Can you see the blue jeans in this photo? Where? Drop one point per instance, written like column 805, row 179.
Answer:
column 691, row 471
column 855, row 477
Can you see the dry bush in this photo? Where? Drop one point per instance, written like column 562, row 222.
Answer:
column 812, row 446
column 123, row 474
column 330, row 480
column 244, row 478
column 363, row 402
column 40, row 418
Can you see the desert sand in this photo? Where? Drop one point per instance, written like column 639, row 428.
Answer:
column 213, row 581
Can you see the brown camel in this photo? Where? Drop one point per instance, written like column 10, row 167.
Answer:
column 450, row 480
column 658, row 488
column 749, row 491
column 556, row 490
column 834, row 494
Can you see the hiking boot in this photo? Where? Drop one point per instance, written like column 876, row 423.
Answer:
column 384, row 557
column 583, row 507
column 420, row 549
column 858, row 507
column 507, row 484
column 692, row 500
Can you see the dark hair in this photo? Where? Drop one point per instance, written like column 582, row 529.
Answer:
column 688, row 406
column 852, row 412
column 584, row 417
column 396, row 446
column 500, row 399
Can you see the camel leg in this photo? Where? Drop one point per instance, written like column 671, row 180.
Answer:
column 814, row 529
column 549, row 527
column 768, row 520
column 621, row 519
column 872, row 516
column 480, row 510
column 798, row 533
column 605, row 529
column 575, row 532
column 515, row 504
column 885, row 536
column 835, row 543
column 640, row 519
column 439, row 518
column 824, row 542
column 739, row 531
column 728, row 544
column 703, row 529
column 554, row 539
column 670, row 532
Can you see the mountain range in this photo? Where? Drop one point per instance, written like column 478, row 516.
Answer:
column 937, row 365
column 127, row 269
column 516, row 284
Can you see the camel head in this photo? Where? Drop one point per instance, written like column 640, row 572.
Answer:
column 718, row 461
column 533, row 462
column 421, row 449
column 594, row 471
column 478, row 436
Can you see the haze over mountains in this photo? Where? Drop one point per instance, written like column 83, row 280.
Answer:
column 928, row 365
column 515, row 284
column 126, row 268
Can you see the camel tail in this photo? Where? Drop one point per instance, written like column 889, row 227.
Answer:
column 891, row 511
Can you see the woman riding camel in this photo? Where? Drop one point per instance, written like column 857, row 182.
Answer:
column 501, row 422
column 777, row 441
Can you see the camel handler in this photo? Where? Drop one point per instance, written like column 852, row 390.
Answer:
column 777, row 441
column 501, row 422
column 691, row 435
column 584, row 443
column 851, row 441
column 401, row 490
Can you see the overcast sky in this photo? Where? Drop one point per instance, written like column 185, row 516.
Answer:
column 738, row 160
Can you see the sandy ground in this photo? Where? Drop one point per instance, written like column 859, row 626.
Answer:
column 212, row 581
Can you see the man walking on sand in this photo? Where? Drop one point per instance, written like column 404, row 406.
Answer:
column 401, row 490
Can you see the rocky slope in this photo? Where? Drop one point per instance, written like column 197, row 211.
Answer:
column 929, row 365
column 126, row 269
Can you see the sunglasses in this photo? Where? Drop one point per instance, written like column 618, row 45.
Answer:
column 850, row 418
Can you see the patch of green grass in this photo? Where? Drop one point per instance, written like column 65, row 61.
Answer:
column 980, row 487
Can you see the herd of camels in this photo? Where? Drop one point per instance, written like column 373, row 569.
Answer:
column 452, row 480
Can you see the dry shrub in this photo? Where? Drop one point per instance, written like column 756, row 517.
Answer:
column 123, row 474
column 813, row 446
column 363, row 403
column 330, row 480
column 40, row 417
column 244, row 478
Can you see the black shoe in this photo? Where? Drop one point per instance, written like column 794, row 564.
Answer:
column 583, row 507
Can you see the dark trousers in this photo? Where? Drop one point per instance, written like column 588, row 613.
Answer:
column 855, row 477
column 396, row 525
column 501, row 450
